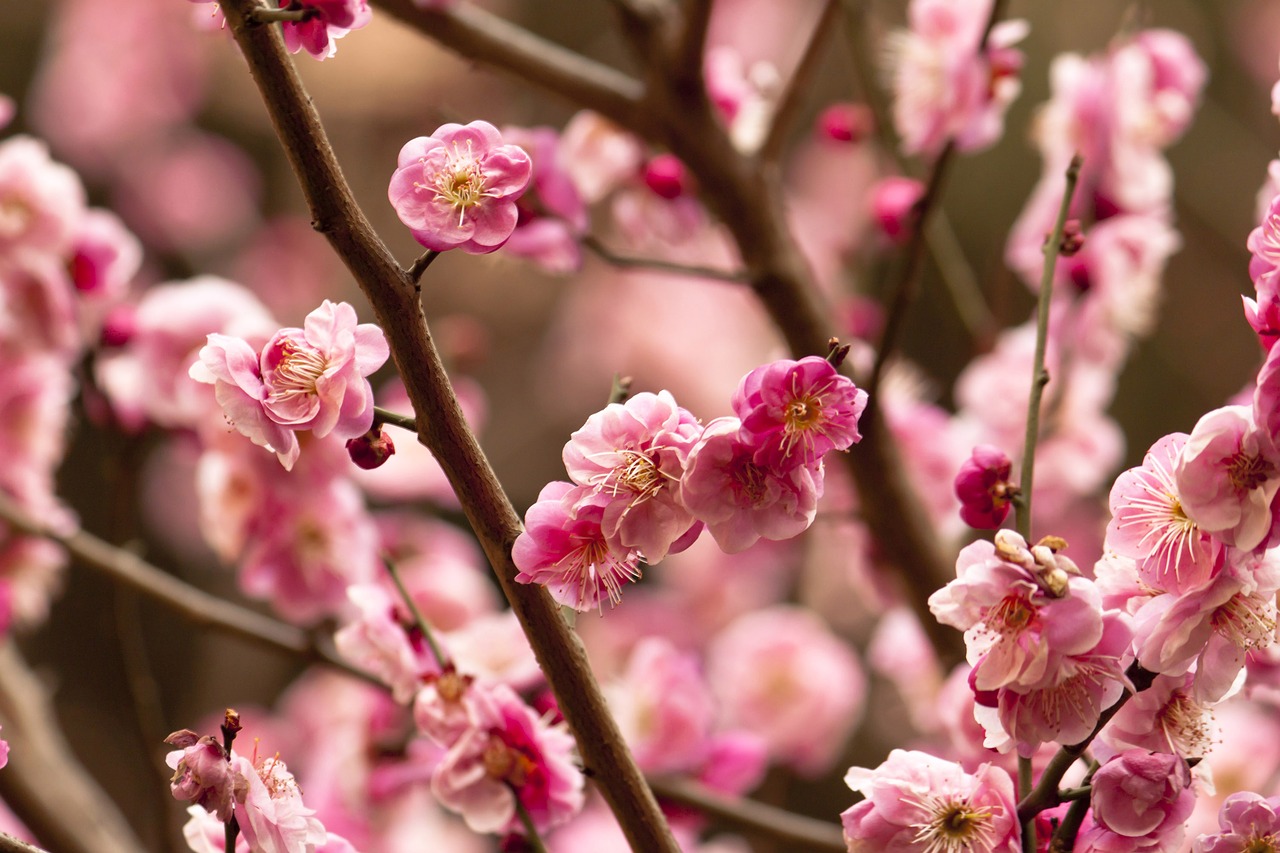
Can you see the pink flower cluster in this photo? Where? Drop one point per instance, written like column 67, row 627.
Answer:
column 312, row 378
column 647, row 477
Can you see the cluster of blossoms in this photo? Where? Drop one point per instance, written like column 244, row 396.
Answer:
column 647, row 477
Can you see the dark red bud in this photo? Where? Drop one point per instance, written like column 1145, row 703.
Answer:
column 372, row 449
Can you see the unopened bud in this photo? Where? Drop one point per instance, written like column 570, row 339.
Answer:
column 846, row 122
column 1072, row 238
column 372, row 449
column 666, row 176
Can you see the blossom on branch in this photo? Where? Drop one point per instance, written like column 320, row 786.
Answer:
column 457, row 188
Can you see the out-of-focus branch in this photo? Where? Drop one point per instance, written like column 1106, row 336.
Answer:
column 656, row 264
column 685, row 67
column 485, row 38
column 9, row 844
column 193, row 604
column 43, row 783
column 791, row 101
column 445, row 433
column 797, row 831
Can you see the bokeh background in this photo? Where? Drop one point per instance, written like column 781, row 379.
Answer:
column 160, row 118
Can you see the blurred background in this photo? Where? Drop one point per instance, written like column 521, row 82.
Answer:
column 158, row 115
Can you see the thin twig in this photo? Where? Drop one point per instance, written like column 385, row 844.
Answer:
column 483, row 37
column 796, row 831
column 531, row 836
column 791, row 102
column 386, row 416
column 420, row 264
column 446, row 434
column 442, row 660
column 194, row 604
column 1039, row 373
column 624, row 262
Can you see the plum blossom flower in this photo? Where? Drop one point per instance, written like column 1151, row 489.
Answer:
column 549, row 224
column 271, row 813
column 893, row 201
column 1249, row 822
column 41, row 202
column 915, row 801
column 375, row 640
column 332, row 19
column 1138, row 793
column 796, row 412
column 1150, row 525
column 741, row 501
column 1227, row 476
column 457, row 188
column 634, row 454
column 201, row 773
column 983, row 487
column 564, row 547
column 944, row 86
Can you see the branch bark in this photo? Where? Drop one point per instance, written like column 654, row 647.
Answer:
column 399, row 311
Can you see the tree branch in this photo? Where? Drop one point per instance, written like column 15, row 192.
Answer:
column 792, row 100
column 485, row 38
column 445, row 433
column 685, row 67
column 797, row 831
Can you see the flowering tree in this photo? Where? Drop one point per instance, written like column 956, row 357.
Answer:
column 794, row 487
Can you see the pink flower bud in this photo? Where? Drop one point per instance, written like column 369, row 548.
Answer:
column 892, row 201
column 846, row 122
column 666, row 176
column 983, row 487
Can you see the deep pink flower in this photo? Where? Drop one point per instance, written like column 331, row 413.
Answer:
column 552, row 216
column 1227, row 475
column 983, row 487
column 457, row 188
column 634, row 454
column 893, row 201
column 510, row 752
column 741, row 501
column 1150, row 525
column 201, row 773
column 104, row 256
column 333, row 19
column 564, row 547
column 796, row 412
column 915, row 801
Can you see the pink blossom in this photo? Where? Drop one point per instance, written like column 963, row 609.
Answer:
column 510, row 753
column 458, row 187
column 271, row 813
column 564, row 547
column 1165, row 717
column 441, row 566
column 333, row 19
column 944, row 88
column 37, row 307
column 598, row 155
column 1227, row 476
column 315, row 377
column 374, row 640
column 553, row 216
column 41, row 202
column 983, row 487
column 796, row 412
column 493, row 647
column 105, row 256
column 7, row 110
column 846, row 122
column 1248, row 822
column 1137, row 793
column 1150, row 525
column 1264, row 244
column 741, row 501
column 446, row 707
column 202, row 774
column 893, row 204
column 916, row 801
column 634, row 455
column 782, row 674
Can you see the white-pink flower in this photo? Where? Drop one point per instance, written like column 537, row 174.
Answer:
column 915, row 801
column 271, row 814
column 457, row 188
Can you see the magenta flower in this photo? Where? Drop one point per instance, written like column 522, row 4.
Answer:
column 331, row 20
column 740, row 501
column 983, row 487
column 915, row 801
column 201, row 773
column 564, row 548
column 457, row 188
column 796, row 412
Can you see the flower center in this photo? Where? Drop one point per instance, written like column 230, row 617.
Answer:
column 638, row 473
column 1246, row 621
column 749, row 482
column 299, row 368
column 502, row 762
column 593, row 564
column 1247, row 472
column 954, row 826
column 1183, row 721
column 15, row 216
column 461, row 184
column 1011, row 616
column 1259, row 844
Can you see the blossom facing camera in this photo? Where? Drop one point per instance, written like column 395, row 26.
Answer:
column 457, row 188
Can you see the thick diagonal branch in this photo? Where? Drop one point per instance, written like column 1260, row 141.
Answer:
column 443, row 430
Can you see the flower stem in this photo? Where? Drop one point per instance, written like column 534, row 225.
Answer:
column 1029, row 841
column 386, row 416
column 530, row 831
column 1039, row 375
column 607, row 255
column 442, row 660
column 419, row 266
column 293, row 12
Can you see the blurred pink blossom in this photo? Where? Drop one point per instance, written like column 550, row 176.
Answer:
column 41, row 201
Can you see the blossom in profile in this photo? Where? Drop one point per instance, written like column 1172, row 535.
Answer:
column 1248, row 822
column 270, row 812
column 1140, row 794
column 201, row 773
column 457, row 188
column 795, row 412
column 329, row 21
column 915, row 801
column 983, row 487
